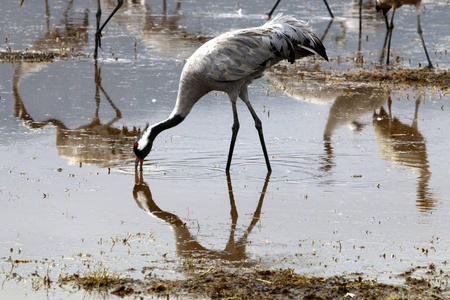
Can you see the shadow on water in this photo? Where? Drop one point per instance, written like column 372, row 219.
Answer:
column 186, row 244
column 95, row 143
column 404, row 145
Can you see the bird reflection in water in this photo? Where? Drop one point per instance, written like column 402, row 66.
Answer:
column 95, row 143
column 349, row 107
column 186, row 243
column 349, row 104
column 159, row 31
column 404, row 145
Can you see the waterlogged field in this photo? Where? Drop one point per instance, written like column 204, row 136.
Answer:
column 357, row 203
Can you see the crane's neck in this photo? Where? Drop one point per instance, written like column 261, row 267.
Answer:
column 170, row 122
column 189, row 93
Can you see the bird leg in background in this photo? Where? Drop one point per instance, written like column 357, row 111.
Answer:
column 391, row 28
column 269, row 15
column 329, row 9
column 419, row 30
column 98, row 34
column 384, row 46
column 244, row 96
column 235, row 130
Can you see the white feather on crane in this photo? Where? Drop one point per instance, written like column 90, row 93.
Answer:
column 229, row 63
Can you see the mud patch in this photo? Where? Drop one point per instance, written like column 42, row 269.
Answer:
column 37, row 56
column 250, row 282
column 413, row 78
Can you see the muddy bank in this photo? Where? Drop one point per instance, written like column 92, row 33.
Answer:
column 222, row 280
column 37, row 56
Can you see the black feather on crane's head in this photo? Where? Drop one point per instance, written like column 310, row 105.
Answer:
column 143, row 145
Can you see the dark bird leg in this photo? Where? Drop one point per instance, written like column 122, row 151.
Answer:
column 419, row 30
column 391, row 28
column 269, row 15
column 384, row 47
column 98, row 34
column 386, row 21
column 235, row 130
column 359, row 59
column 258, row 124
column 98, row 16
column 329, row 9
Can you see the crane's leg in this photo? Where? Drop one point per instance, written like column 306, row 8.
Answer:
column 386, row 21
column 419, row 30
column 269, row 15
column 329, row 9
column 98, row 16
column 98, row 34
column 391, row 28
column 235, row 130
column 258, row 124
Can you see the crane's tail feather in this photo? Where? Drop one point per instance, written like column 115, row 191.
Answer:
column 293, row 38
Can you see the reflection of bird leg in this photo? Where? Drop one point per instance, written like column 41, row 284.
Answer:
column 231, row 247
column 328, row 160
column 138, row 175
column 19, row 108
column 98, row 86
column 185, row 242
column 326, row 30
column 257, row 213
column 403, row 144
column 242, row 242
column 98, row 34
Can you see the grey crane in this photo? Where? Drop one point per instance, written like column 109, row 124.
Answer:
column 385, row 6
column 229, row 63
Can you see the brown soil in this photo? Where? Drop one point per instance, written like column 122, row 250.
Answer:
column 36, row 56
column 414, row 78
column 252, row 283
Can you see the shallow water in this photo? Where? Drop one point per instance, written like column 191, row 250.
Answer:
column 351, row 192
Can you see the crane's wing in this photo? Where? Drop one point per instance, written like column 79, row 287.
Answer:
column 247, row 53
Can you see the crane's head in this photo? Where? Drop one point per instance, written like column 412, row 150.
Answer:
column 143, row 145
